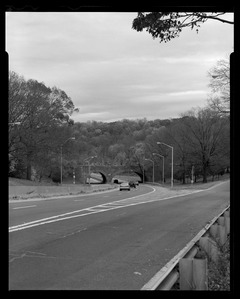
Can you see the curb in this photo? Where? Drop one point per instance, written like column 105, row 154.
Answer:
column 39, row 197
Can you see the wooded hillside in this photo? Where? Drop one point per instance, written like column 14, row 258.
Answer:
column 40, row 128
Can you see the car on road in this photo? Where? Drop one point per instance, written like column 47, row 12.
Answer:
column 132, row 184
column 124, row 186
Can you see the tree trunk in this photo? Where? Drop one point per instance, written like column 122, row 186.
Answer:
column 29, row 166
column 204, row 173
column 184, row 178
column 29, row 171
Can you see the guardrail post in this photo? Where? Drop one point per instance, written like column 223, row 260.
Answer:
column 186, row 274
column 193, row 274
column 227, row 225
column 214, row 230
column 222, row 234
column 227, row 221
column 221, row 220
column 226, row 214
column 200, row 278
column 210, row 247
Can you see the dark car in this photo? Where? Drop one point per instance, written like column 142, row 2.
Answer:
column 132, row 184
column 124, row 186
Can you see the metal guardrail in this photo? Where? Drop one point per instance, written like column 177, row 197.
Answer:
column 169, row 274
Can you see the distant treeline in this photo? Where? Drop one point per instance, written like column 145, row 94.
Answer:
column 40, row 126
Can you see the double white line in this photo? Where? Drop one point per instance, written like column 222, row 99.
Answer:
column 132, row 201
column 83, row 212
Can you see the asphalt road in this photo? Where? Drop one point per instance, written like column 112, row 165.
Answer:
column 113, row 240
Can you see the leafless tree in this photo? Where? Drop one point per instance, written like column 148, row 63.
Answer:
column 220, row 87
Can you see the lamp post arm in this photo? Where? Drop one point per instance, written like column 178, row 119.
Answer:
column 172, row 160
column 165, row 144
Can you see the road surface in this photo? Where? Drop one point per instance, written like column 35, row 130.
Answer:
column 114, row 240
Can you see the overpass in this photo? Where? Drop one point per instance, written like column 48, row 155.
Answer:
column 108, row 172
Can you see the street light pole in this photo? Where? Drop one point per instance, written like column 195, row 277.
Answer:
column 172, row 160
column 88, row 160
column 192, row 174
column 71, row 138
column 143, row 171
column 153, row 167
column 61, row 165
column 155, row 154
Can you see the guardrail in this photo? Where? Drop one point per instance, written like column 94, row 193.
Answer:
column 189, row 271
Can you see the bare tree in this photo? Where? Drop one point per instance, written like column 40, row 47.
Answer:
column 220, row 87
column 207, row 135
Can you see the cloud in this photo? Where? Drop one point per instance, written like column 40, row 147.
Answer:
column 111, row 71
column 187, row 93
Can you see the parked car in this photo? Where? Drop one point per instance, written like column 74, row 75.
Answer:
column 124, row 186
column 132, row 184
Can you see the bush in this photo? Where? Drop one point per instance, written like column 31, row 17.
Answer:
column 56, row 177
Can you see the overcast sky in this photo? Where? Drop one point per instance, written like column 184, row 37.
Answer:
column 111, row 71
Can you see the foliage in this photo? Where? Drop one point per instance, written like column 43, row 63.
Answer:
column 39, row 119
column 200, row 137
column 168, row 25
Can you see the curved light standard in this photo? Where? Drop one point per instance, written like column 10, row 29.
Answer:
column 155, row 154
column 71, row 138
column 143, row 171
column 172, row 160
column 153, row 166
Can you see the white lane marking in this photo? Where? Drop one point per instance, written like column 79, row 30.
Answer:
column 16, row 208
column 216, row 185
column 95, row 209
column 85, row 211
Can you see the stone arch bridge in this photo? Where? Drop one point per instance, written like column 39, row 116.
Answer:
column 108, row 172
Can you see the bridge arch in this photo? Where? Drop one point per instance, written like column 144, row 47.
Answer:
column 103, row 177
column 106, row 172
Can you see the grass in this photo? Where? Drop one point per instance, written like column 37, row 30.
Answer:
column 23, row 182
column 200, row 184
column 219, row 273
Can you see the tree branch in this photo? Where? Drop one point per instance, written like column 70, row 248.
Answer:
column 221, row 20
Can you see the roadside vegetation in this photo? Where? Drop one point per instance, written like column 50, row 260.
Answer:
column 219, row 274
